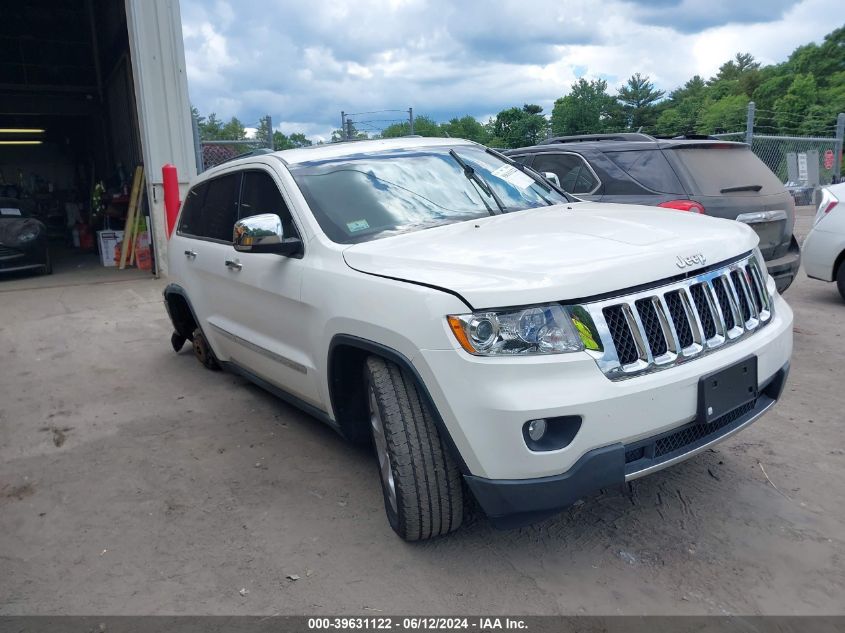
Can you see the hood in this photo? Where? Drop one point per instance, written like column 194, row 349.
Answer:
column 553, row 253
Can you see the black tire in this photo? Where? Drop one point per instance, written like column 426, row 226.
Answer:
column 840, row 278
column 427, row 482
column 203, row 352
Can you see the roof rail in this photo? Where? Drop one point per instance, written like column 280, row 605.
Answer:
column 255, row 152
column 582, row 138
column 690, row 137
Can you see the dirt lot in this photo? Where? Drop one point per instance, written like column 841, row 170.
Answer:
column 133, row 481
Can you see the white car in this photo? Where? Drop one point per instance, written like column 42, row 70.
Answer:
column 489, row 334
column 824, row 247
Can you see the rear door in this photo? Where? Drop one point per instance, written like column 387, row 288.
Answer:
column 184, row 250
column 731, row 182
column 205, row 244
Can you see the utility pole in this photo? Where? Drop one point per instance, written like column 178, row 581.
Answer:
column 749, row 124
column 349, row 132
column 343, row 125
column 837, row 146
column 411, row 119
column 270, row 133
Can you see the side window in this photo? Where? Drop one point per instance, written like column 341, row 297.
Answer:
column 190, row 222
column 260, row 194
column 572, row 171
column 649, row 168
column 220, row 210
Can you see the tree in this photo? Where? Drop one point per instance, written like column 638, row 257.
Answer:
column 587, row 109
column 517, row 127
column 738, row 76
column 734, row 68
column 824, row 61
column 728, row 114
column 263, row 132
column 683, row 109
column 465, row 127
column 211, row 128
column 638, row 97
column 293, row 141
column 234, row 130
column 423, row 126
column 351, row 131
column 791, row 109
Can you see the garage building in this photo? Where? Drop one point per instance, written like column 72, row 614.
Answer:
column 89, row 91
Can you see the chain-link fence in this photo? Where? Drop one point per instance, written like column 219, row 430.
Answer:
column 216, row 152
column 803, row 163
column 786, row 156
column 209, row 153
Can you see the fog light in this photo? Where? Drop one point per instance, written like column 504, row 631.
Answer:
column 536, row 429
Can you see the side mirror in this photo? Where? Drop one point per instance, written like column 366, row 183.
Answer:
column 264, row 234
column 551, row 177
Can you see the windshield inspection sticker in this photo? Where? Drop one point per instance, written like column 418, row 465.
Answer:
column 514, row 176
column 8, row 211
column 357, row 225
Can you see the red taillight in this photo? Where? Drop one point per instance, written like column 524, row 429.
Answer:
column 683, row 205
column 829, row 206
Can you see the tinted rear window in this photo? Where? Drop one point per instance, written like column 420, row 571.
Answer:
column 190, row 222
column 710, row 170
column 649, row 168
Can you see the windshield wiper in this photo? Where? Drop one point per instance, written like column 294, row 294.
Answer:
column 472, row 175
column 754, row 188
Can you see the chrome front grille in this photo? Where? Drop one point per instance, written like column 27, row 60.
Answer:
column 663, row 326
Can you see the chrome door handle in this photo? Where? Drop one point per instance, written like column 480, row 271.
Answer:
column 233, row 264
column 191, row 254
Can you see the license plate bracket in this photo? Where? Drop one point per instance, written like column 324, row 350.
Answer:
column 723, row 391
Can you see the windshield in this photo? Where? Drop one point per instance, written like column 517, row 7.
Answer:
column 719, row 170
column 374, row 195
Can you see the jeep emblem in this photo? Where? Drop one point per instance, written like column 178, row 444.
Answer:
column 690, row 260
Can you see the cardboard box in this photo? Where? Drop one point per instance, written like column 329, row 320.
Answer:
column 106, row 241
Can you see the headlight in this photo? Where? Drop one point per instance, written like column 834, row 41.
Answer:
column 768, row 280
column 544, row 329
column 28, row 236
column 761, row 263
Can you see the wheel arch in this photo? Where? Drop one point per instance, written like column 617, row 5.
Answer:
column 180, row 311
column 346, row 358
column 836, row 264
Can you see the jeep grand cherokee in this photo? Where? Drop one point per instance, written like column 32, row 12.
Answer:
column 487, row 333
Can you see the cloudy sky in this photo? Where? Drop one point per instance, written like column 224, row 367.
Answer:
column 304, row 62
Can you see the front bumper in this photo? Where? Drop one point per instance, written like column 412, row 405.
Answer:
column 784, row 269
column 15, row 259
column 516, row 502
column 484, row 402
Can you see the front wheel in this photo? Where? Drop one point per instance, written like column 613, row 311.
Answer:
column 840, row 278
column 420, row 480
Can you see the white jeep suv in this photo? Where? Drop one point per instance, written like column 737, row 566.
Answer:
column 489, row 334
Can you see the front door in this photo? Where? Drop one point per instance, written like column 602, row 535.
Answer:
column 261, row 322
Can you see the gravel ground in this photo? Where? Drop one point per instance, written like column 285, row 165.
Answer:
column 132, row 481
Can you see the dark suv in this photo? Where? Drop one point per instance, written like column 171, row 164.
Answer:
column 700, row 175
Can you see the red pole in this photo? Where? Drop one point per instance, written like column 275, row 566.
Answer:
column 170, row 181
